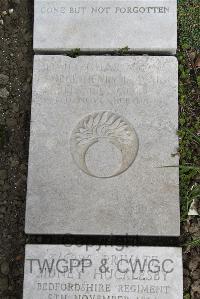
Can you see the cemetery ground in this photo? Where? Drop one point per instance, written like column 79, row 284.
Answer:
column 16, row 57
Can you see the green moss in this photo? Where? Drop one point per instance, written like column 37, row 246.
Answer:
column 123, row 51
column 74, row 53
column 198, row 81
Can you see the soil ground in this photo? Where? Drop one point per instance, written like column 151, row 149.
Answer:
column 16, row 57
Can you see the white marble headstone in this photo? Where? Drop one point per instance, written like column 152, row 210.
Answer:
column 103, row 26
column 103, row 135
column 99, row 272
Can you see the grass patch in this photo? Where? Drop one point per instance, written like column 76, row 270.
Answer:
column 193, row 243
column 189, row 33
column 189, row 104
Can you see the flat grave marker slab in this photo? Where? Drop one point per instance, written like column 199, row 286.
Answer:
column 103, row 133
column 105, row 26
column 102, row 272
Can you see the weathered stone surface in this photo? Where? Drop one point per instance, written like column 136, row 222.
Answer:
column 103, row 131
column 91, row 25
column 82, row 272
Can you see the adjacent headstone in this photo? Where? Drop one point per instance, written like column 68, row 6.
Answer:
column 99, row 272
column 103, row 146
column 103, row 26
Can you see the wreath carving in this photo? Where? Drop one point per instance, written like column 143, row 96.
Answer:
column 104, row 125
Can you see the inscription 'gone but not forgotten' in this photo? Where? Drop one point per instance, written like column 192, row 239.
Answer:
column 99, row 272
column 92, row 25
column 56, row 10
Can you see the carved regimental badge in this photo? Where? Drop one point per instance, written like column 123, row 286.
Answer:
column 112, row 130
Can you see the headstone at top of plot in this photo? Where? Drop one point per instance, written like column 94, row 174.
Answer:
column 103, row 146
column 106, row 26
column 102, row 272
